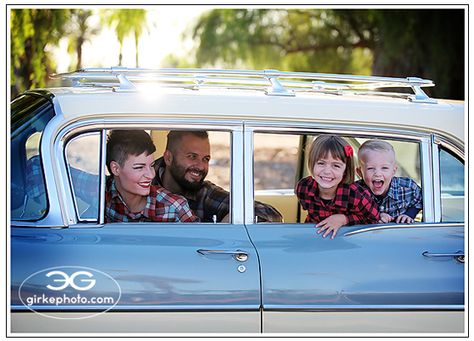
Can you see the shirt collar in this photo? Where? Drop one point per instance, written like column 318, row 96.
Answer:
column 392, row 190
column 116, row 196
column 113, row 191
column 314, row 192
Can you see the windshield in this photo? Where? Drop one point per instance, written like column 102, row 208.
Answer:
column 29, row 115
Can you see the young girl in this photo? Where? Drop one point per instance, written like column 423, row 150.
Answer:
column 330, row 195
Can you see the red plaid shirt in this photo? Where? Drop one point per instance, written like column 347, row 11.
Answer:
column 161, row 206
column 353, row 201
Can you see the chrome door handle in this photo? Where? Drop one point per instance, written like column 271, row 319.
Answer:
column 459, row 255
column 238, row 255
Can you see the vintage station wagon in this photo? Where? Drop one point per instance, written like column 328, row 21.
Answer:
column 71, row 272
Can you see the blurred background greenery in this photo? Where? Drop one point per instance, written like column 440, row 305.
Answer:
column 400, row 42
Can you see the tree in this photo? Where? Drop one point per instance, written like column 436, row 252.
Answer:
column 33, row 30
column 79, row 32
column 423, row 43
column 125, row 22
column 299, row 40
column 382, row 42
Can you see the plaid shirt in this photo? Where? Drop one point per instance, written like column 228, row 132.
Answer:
column 403, row 195
column 161, row 206
column 208, row 201
column 212, row 200
column 86, row 185
column 353, row 201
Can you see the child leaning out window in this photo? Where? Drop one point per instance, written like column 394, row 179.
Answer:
column 329, row 194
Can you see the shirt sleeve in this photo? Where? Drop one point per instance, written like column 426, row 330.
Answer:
column 184, row 213
column 364, row 210
column 216, row 202
column 417, row 199
column 34, row 185
column 412, row 212
column 301, row 191
column 86, row 185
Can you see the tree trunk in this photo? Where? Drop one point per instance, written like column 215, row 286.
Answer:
column 136, row 49
column 80, row 42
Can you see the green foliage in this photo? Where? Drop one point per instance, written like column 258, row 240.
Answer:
column 126, row 22
column 427, row 43
column 298, row 40
column 79, row 31
column 33, row 31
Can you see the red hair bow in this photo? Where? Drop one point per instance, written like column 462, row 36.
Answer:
column 348, row 150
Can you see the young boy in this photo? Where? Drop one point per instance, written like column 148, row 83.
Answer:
column 399, row 199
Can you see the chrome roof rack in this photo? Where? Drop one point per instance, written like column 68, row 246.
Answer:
column 273, row 82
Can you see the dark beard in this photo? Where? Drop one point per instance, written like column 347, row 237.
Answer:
column 178, row 173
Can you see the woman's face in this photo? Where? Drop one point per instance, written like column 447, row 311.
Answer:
column 135, row 176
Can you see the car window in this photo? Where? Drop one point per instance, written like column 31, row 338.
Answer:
column 407, row 156
column 219, row 165
column 29, row 116
column 452, row 187
column 83, row 158
column 275, row 161
column 210, row 201
column 280, row 161
column 211, row 204
column 277, row 167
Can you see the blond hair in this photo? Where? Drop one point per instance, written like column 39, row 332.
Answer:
column 375, row 145
column 335, row 145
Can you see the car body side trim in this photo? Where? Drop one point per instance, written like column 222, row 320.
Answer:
column 398, row 226
column 138, row 308
column 322, row 308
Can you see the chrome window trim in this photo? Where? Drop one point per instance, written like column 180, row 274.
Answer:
column 237, row 197
column 73, row 193
column 249, row 176
column 455, row 146
column 65, row 130
column 399, row 226
column 407, row 132
column 436, row 180
column 439, row 143
column 61, row 213
column 431, row 212
column 103, row 140
column 251, row 127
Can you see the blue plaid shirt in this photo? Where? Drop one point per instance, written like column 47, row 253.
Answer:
column 403, row 197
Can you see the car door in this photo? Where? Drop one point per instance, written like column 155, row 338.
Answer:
column 379, row 278
column 162, row 277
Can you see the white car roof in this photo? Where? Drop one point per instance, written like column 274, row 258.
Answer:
column 443, row 116
column 268, row 95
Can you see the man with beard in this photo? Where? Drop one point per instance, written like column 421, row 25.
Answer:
column 183, row 169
